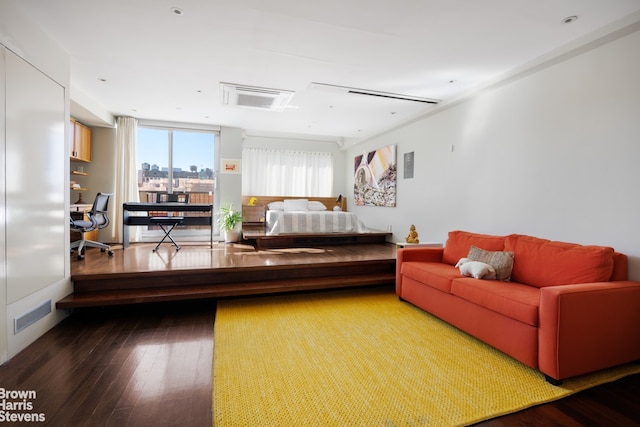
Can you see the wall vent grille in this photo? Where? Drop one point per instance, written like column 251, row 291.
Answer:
column 367, row 92
column 24, row 321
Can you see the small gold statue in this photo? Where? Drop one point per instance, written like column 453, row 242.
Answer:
column 413, row 235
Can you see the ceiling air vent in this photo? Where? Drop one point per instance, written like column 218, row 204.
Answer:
column 354, row 91
column 257, row 98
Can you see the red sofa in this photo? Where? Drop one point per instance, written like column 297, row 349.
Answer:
column 567, row 309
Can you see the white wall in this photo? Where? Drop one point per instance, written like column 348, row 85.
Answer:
column 553, row 154
column 229, row 186
column 101, row 177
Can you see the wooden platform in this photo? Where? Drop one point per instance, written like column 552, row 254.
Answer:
column 258, row 238
column 137, row 274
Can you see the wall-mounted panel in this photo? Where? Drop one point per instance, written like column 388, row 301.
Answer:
column 35, row 179
column 4, row 344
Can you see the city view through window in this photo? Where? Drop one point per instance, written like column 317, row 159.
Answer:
column 172, row 161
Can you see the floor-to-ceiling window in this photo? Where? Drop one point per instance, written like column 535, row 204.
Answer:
column 176, row 161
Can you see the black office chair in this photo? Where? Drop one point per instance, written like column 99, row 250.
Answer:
column 98, row 219
column 169, row 222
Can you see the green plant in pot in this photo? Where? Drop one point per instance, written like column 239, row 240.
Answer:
column 229, row 222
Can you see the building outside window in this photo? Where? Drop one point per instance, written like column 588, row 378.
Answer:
column 178, row 162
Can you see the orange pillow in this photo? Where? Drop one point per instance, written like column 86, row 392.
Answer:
column 540, row 262
column 459, row 243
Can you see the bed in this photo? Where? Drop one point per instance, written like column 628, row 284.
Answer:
column 301, row 221
column 314, row 222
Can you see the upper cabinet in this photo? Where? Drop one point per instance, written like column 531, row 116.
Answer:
column 80, row 141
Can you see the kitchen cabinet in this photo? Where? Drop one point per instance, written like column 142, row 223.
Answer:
column 80, row 141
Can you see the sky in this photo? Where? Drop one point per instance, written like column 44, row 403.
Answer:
column 190, row 148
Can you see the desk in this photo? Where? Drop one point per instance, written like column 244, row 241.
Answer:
column 130, row 220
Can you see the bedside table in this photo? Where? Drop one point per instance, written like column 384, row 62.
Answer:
column 253, row 214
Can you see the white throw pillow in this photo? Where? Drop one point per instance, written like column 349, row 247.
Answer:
column 462, row 261
column 296, row 205
column 476, row 269
column 315, row 205
column 276, row 206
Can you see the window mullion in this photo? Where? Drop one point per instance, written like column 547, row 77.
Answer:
column 170, row 172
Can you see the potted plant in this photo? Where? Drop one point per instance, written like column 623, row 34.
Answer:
column 229, row 221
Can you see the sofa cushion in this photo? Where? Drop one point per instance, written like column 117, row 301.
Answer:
column 459, row 243
column 540, row 262
column 501, row 261
column 514, row 300
column 434, row 274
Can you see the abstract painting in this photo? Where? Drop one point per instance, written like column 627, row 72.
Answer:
column 375, row 178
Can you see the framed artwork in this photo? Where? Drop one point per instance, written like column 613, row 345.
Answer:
column 375, row 178
column 230, row 166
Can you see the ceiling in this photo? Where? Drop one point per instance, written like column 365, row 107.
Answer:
column 143, row 59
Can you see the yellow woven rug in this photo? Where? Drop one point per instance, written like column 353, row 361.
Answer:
column 364, row 358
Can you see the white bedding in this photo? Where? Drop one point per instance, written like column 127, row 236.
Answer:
column 291, row 222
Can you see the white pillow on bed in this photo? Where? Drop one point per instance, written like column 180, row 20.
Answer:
column 276, row 206
column 296, row 205
column 315, row 205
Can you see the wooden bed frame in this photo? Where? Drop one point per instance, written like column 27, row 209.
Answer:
column 329, row 202
column 256, row 232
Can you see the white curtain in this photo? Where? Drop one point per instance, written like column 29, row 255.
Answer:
column 126, row 175
column 286, row 173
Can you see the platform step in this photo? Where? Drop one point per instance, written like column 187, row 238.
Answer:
column 175, row 293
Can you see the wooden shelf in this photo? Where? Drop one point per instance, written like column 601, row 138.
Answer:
column 79, row 173
column 79, row 189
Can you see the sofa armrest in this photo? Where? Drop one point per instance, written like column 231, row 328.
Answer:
column 587, row 327
column 426, row 254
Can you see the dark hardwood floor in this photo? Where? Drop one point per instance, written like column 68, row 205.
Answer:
column 137, row 365
column 151, row 365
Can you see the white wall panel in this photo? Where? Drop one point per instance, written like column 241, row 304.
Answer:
column 35, row 179
column 3, row 270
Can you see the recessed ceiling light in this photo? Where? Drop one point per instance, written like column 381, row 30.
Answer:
column 176, row 11
column 569, row 19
